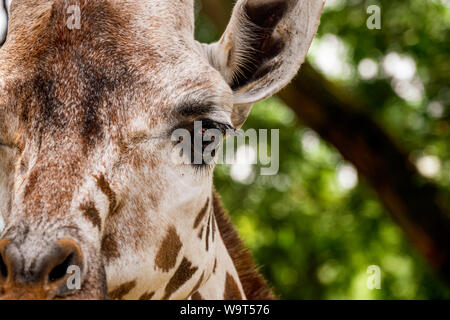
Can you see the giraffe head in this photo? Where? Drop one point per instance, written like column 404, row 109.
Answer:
column 87, row 112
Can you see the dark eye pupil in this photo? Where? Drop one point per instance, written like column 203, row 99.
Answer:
column 208, row 135
column 207, row 138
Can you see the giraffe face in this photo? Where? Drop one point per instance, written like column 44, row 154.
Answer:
column 87, row 116
column 86, row 138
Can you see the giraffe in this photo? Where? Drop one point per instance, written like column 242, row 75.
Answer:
column 86, row 116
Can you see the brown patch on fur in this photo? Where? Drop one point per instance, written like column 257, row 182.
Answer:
column 197, row 296
column 200, row 233
column 254, row 285
column 184, row 272
column 208, row 225
column 213, row 225
column 91, row 213
column 167, row 255
column 106, row 189
column 32, row 179
column 201, row 214
column 197, row 286
column 117, row 209
column 147, row 296
column 215, row 266
column 122, row 290
column 109, row 247
column 232, row 291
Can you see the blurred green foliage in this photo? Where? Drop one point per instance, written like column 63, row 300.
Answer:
column 314, row 236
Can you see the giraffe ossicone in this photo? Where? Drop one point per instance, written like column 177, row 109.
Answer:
column 87, row 115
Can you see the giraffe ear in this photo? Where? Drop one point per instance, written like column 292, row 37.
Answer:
column 263, row 47
column 4, row 14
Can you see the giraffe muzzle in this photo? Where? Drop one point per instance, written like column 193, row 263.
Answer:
column 39, row 275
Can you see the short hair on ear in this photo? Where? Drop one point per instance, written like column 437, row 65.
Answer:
column 262, row 48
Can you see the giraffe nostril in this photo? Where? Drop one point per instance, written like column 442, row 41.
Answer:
column 3, row 260
column 3, row 268
column 60, row 271
column 55, row 270
column 58, row 263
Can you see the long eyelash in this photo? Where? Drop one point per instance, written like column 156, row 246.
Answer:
column 223, row 127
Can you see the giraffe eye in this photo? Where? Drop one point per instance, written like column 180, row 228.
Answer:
column 205, row 137
column 206, row 128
